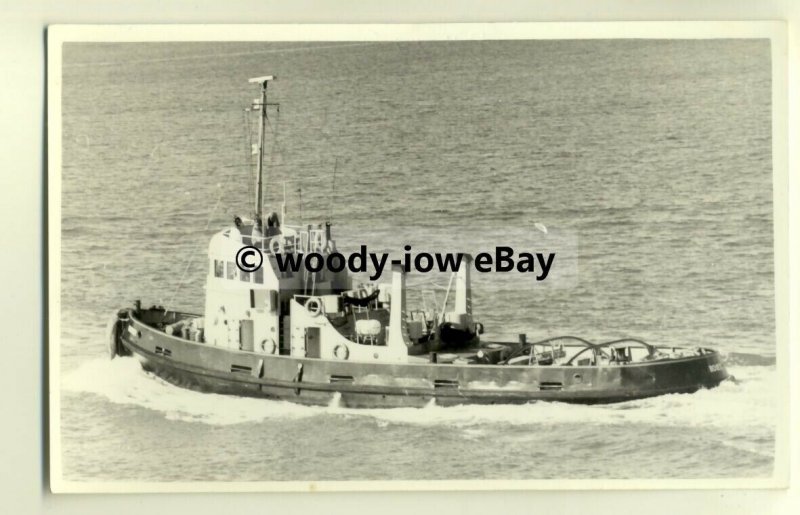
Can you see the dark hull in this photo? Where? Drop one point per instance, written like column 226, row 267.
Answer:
column 376, row 385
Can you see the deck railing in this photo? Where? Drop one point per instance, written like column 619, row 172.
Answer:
column 289, row 241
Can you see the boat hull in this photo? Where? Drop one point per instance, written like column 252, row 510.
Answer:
column 207, row 368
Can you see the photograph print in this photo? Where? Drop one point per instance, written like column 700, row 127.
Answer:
column 532, row 260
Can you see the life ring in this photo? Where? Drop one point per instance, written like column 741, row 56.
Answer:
column 269, row 346
column 341, row 351
column 314, row 306
column 276, row 245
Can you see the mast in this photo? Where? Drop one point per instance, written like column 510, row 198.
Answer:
column 261, row 104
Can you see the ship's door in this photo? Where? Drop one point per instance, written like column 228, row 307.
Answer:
column 286, row 333
column 246, row 338
column 312, row 342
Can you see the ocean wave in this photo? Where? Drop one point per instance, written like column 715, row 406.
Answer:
column 746, row 359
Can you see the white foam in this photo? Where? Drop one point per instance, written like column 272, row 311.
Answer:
column 122, row 381
column 750, row 403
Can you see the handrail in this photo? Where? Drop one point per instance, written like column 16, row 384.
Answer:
column 650, row 348
column 524, row 348
column 302, row 240
column 588, row 345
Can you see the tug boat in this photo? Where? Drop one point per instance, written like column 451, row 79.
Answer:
column 316, row 338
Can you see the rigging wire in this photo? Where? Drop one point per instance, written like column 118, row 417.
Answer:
column 276, row 144
column 195, row 252
column 332, row 199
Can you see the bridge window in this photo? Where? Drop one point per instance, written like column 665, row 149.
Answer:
column 219, row 268
column 231, row 269
column 244, row 276
column 258, row 276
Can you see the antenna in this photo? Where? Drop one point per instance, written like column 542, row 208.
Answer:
column 300, row 201
column 261, row 104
